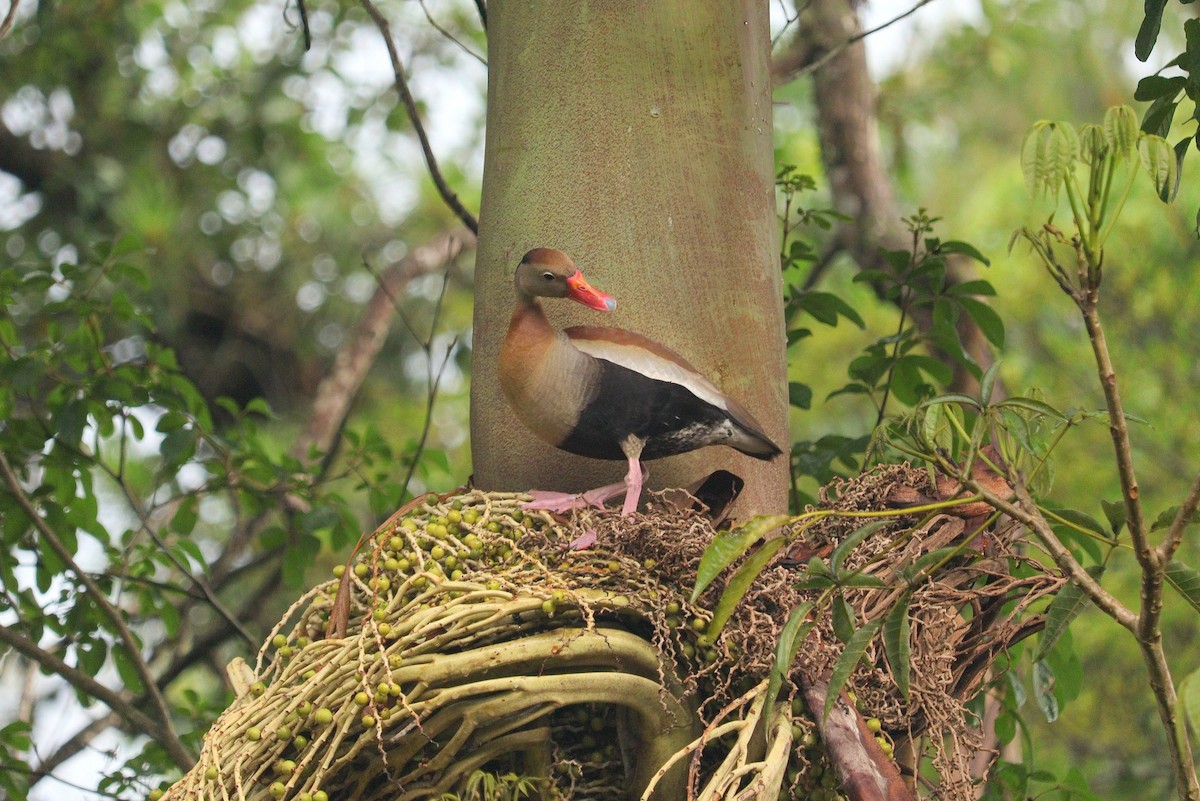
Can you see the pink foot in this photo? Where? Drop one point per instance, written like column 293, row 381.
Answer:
column 584, row 541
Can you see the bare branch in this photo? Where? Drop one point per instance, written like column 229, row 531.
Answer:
column 338, row 389
column 451, row 36
column 6, row 26
column 804, row 60
column 163, row 735
column 410, row 105
column 169, row 740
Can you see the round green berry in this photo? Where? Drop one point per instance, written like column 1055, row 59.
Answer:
column 323, row 716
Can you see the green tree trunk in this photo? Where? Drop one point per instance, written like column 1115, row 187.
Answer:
column 637, row 138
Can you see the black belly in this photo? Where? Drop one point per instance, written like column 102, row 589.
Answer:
column 668, row 417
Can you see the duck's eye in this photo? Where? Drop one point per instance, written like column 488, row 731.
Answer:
column 548, row 276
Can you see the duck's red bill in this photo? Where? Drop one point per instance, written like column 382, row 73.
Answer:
column 583, row 292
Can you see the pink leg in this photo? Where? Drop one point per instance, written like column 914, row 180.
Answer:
column 633, row 486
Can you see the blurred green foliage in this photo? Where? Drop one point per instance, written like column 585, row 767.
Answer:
column 256, row 179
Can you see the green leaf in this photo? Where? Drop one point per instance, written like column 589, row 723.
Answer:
column 186, row 514
column 986, row 318
column 1162, row 164
column 843, row 549
column 964, row 248
column 791, row 638
column 1165, row 518
column 1186, row 582
column 1066, row 606
column 1048, row 157
column 1147, row 33
column 851, row 654
column 1043, row 690
column 126, row 669
column 843, row 618
column 1189, row 696
column 1152, row 87
column 727, row 547
column 1121, row 130
column 1115, row 512
column 298, row 557
column 799, row 395
column 1032, row 405
column 987, row 384
column 826, row 307
column 953, row 397
column 896, row 644
column 739, row 583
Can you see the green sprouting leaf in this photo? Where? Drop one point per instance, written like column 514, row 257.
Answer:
column 987, row 384
column 856, row 646
column 1189, row 695
column 727, row 547
column 799, row 395
column 1048, row 156
column 1162, row 164
column 1147, row 33
column 964, row 248
column 1186, row 581
column 740, row 581
column 1033, row 405
column 843, row 549
column 1043, row 690
column 986, row 318
column 1066, row 606
column 791, row 638
column 842, row 618
column 896, row 643
column 1121, row 131
column 1115, row 512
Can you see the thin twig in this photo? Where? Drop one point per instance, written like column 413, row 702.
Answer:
column 451, row 36
column 433, row 380
column 410, row 105
column 304, row 25
column 168, row 738
column 9, row 18
column 1036, row 523
column 1186, row 512
column 828, row 55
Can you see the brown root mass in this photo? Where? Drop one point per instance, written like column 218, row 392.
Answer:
column 482, row 652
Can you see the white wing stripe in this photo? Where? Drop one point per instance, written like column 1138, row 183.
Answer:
column 653, row 366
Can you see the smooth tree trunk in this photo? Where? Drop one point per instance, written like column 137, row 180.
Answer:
column 637, row 138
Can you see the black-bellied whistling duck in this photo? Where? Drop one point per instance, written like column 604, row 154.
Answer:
column 608, row 393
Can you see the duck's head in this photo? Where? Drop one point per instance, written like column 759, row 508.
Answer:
column 548, row 273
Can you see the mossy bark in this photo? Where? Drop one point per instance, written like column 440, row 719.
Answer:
column 637, row 138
